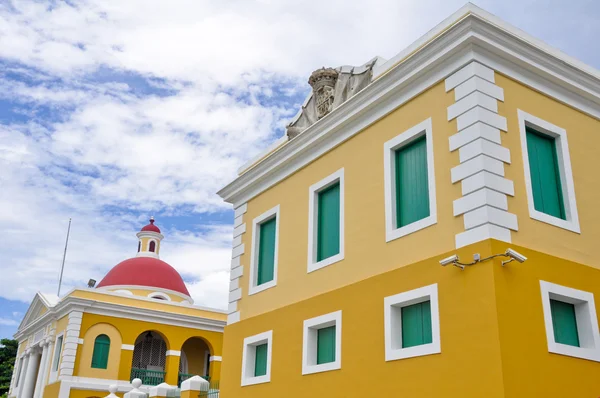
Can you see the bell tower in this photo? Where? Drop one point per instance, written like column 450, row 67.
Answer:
column 149, row 240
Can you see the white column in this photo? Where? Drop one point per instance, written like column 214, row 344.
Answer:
column 29, row 382
column 25, row 360
column 13, row 381
column 50, row 350
column 39, row 383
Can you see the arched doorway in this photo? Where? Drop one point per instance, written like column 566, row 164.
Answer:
column 195, row 359
column 149, row 358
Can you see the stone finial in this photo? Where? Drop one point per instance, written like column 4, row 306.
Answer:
column 112, row 389
column 160, row 390
column 135, row 392
column 323, row 82
column 195, row 383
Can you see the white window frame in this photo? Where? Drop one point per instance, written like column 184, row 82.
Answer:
column 313, row 194
column 253, row 288
column 392, row 307
column 159, row 295
column 249, row 358
column 585, row 315
column 54, row 373
column 389, row 170
column 309, row 343
column 564, row 165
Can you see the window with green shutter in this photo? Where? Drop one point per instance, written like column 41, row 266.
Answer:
column 260, row 360
column 266, row 251
column 564, row 323
column 57, row 352
column 545, row 174
column 416, row 324
column 326, row 345
column 101, row 350
column 328, row 222
column 412, row 185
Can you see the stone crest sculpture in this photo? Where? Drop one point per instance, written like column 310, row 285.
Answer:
column 323, row 82
column 331, row 87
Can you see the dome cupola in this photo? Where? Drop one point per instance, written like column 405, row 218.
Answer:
column 149, row 240
column 146, row 271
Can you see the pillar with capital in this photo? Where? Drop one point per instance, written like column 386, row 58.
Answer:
column 46, row 345
column 30, row 376
column 22, row 373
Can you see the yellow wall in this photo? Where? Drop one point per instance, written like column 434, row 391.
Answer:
column 51, row 390
column 150, row 304
column 529, row 369
column 469, row 366
column 174, row 336
column 584, row 140
column 366, row 251
column 87, row 350
column 492, row 329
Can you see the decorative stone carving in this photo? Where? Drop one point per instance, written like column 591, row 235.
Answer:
column 331, row 87
column 323, row 82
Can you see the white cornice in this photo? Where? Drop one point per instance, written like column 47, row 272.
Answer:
column 475, row 36
column 69, row 304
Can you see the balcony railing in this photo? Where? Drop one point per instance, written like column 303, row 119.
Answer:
column 148, row 377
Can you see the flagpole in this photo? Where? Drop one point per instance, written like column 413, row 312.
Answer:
column 62, row 267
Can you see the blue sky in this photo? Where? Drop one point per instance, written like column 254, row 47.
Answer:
column 113, row 111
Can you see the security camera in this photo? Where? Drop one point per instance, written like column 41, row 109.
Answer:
column 449, row 260
column 515, row 255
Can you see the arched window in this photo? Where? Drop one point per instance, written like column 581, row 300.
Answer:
column 139, row 246
column 101, row 350
column 152, row 246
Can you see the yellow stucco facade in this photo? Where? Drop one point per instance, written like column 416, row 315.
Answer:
column 496, row 326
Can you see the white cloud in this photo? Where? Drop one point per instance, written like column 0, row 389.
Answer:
column 218, row 80
column 8, row 322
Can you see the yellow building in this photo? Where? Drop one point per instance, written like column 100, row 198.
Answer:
column 138, row 322
column 476, row 139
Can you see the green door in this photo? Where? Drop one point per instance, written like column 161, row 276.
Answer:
column 412, row 185
column 328, row 223
column 545, row 174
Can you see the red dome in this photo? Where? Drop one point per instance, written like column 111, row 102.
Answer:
column 145, row 271
column 151, row 227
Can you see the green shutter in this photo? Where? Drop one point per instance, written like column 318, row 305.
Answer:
column 412, row 186
column 564, row 323
column 328, row 229
column 545, row 175
column 260, row 361
column 101, row 350
column 326, row 345
column 266, row 251
column 57, row 352
column 416, row 324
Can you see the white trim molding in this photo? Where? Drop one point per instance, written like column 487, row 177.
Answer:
column 309, row 343
column 160, row 296
column 313, row 196
column 215, row 358
column 253, row 288
column 56, row 355
column 127, row 347
column 237, row 269
column 173, row 353
column 484, row 204
column 585, row 315
column 249, row 358
column 564, row 165
column 422, row 129
column 392, row 307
